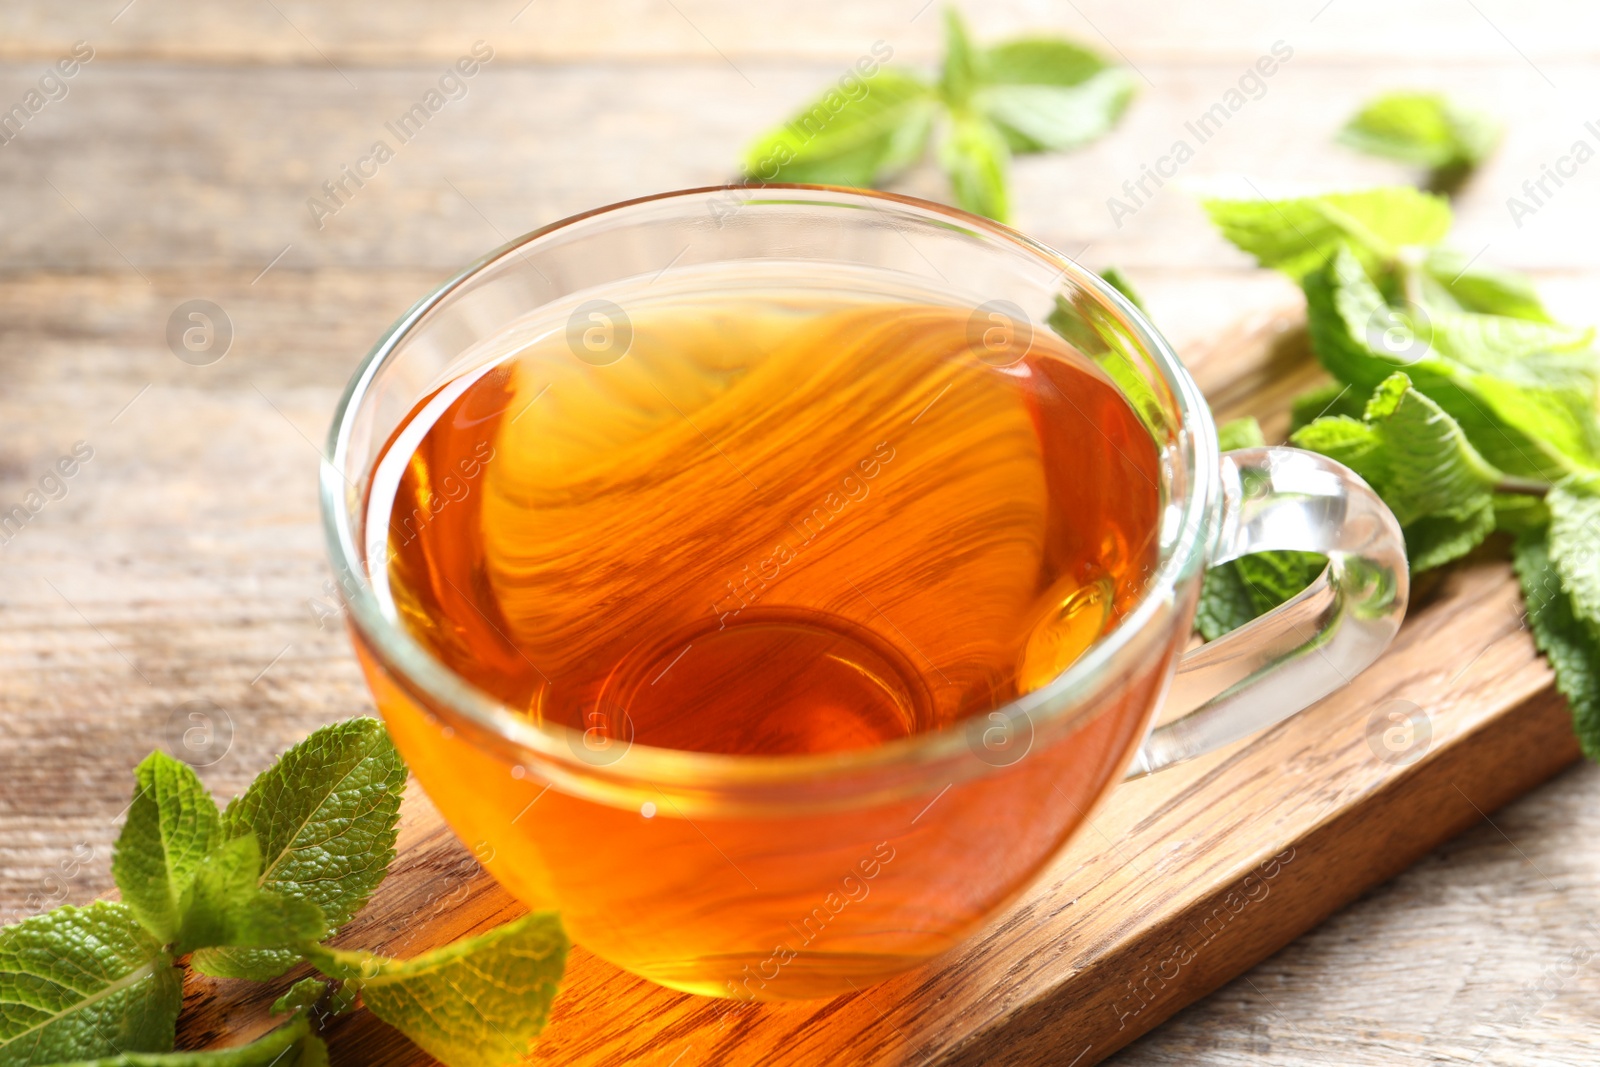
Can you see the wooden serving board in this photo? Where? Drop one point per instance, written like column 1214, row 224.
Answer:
column 1180, row 882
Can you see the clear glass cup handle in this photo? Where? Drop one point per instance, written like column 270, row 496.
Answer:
column 1288, row 659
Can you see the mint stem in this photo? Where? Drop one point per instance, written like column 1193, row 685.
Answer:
column 1510, row 483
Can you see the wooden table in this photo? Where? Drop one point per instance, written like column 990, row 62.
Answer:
column 183, row 563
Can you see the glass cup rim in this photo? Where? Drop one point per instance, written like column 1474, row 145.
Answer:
column 450, row 694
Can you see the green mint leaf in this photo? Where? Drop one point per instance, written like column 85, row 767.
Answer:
column 1046, row 116
column 1453, row 280
column 849, row 140
column 1575, row 544
column 291, row 1045
column 325, row 817
column 477, row 1003
column 1240, row 433
column 225, row 905
column 1240, row 590
column 1534, row 422
column 1422, row 128
column 960, row 73
column 84, row 982
column 1298, row 236
column 300, row 997
column 1571, row 644
column 975, row 159
column 1335, row 398
column 171, row 825
column 1418, row 459
column 1119, row 281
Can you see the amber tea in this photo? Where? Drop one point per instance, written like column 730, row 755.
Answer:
column 771, row 527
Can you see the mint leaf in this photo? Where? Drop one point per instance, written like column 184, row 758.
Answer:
column 291, row 1045
column 171, row 825
column 1240, row 433
column 300, row 997
column 975, row 159
column 1575, row 544
column 1529, row 413
column 1570, row 643
column 84, row 982
column 1038, row 94
column 325, row 818
column 477, row 1003
column 1119, row 281
column 225, row 905
column 1418, row 459
column 1240, row 590
column 959, row 74
column 1452, row 280
column 1300, row 235
column 1422, row 128
column 837, row 140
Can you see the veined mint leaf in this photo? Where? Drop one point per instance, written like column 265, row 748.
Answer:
column 291, row 1045
column 84, row 982
column 1119, row 281
column 225, row 905
column 1240, row 590
column 1300, row 235
column 1453, row 280
column 1570, row 643
column 325, row 818
column 300, row 997
column 975, row 159
column 1519, row 424
column 1416, row 457
column 1575, row 545
column 477, row 1003
column 171, row 825
column 1422, row 128
column 837, row 140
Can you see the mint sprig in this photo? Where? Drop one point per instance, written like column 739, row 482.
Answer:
column 1478, row 411
column 249, row 892
column 987, row 104
column 325, row 816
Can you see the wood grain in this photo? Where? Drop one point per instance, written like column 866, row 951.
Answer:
column 1182, row 881
column 182, row 561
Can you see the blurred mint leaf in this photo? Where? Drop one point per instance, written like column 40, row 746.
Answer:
column 291, row 1045
column 325, row 817
column 1298, row 236
column 1033, row 94
column 300, row 997
column 1119, row 281
column 1422, row 128
column 479, row 1002
column 78, row 983
column 1049, row 94
column 1240, row 433
column 840, row 140
column 975, row 159
column 225, row 905
column 171, row 825
column 1453, row 280
column 959, row 74
column 1571, row 642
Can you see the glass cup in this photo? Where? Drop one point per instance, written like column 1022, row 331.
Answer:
column 789, row 877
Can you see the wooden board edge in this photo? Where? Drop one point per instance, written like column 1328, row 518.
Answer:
column 1483, row 769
